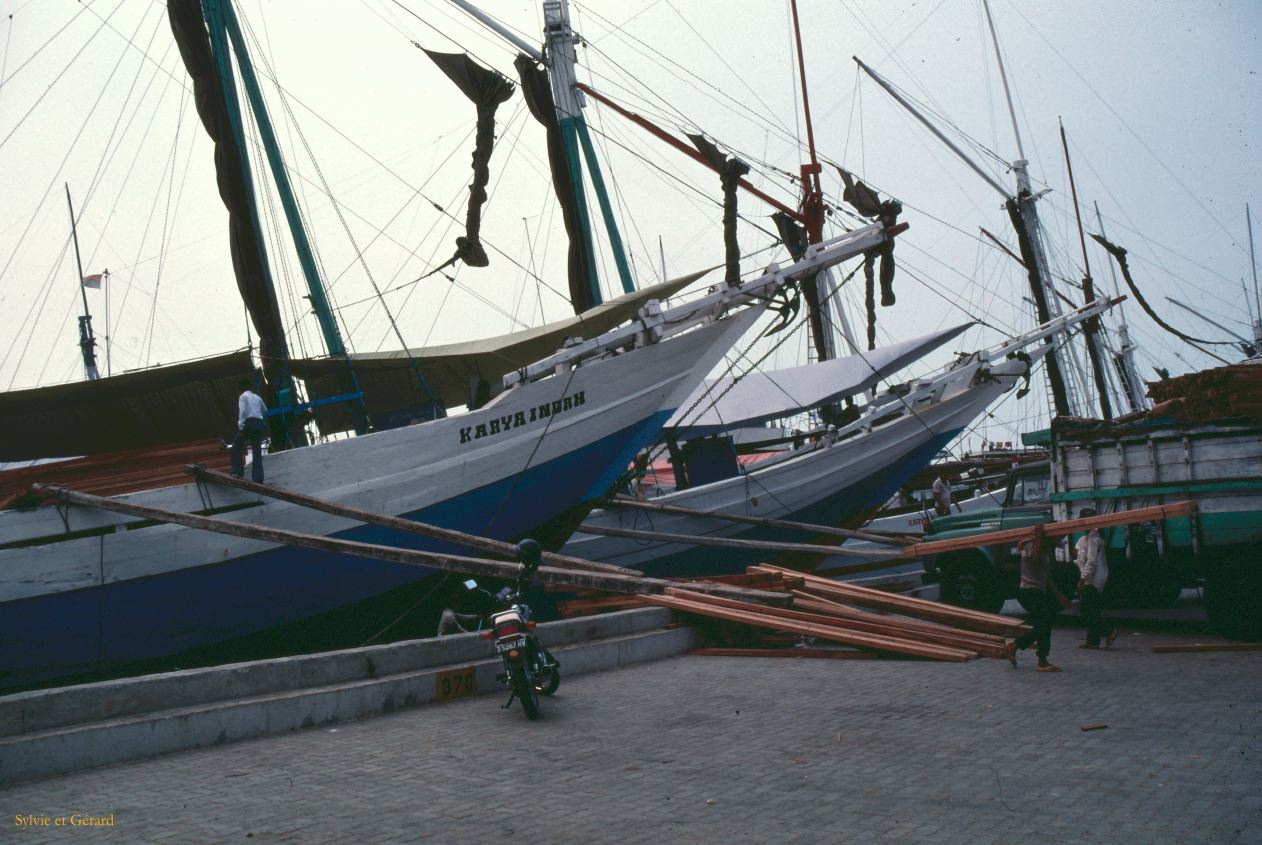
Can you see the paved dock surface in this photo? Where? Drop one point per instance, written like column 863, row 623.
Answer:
column 704, row 749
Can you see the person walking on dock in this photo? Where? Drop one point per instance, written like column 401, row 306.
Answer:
column 1037, row 593
column 1094, row 574
column 251, row 429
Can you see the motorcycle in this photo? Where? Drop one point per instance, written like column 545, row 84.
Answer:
column 529, row 668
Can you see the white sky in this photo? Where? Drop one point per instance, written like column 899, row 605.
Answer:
column 1160, row 100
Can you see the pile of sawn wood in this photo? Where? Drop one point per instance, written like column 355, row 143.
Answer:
column 860, row 621
column 1223, row 392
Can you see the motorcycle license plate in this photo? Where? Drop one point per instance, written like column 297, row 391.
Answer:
column 504, row 646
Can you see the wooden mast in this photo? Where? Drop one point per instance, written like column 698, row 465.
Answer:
column 812, row 212
column 1092, row 327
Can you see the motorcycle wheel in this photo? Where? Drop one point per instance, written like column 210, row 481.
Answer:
column 526, row 693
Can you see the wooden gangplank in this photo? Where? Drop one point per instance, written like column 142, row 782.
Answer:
column 581, row 579
column 423, row 529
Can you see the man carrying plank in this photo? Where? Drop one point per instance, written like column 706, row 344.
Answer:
column 1040, row 598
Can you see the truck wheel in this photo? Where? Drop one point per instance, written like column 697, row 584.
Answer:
column 970, row 581
column 1232, row 599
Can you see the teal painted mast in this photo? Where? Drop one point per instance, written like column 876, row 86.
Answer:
column 560, row 58
column 606, row 209
column 306, row 257
column 213, row 14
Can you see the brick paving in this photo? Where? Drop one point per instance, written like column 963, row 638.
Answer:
column 703, row 749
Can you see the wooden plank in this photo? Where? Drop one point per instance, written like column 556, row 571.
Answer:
column 973, row 640
column 823, row 530
column 1051, row 529
column 733, row 543
column 458, row 538
column 609, row 582
column 971, row 620
column 883, row 626
column 825, row 632
column 818, row 653
column 757, row 580
column 1194, row 648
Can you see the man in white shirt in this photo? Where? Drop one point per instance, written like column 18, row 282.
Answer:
column 1093, row 567
column 942, row 497
column 251, row 428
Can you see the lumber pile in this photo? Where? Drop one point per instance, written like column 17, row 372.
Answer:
column 1231, row 391
column 116, row 473
column 862, row 619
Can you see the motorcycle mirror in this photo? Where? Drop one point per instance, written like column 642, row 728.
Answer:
column 470, row 584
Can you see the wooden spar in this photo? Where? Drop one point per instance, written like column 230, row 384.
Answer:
column 823, row 632
column 626, row 502
column 732, row 543
column 608, row 582
column 883, row 626
column 1052, row 529
column 460, row 538
column 959, row 617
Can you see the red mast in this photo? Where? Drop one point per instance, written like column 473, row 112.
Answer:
column 812, row 193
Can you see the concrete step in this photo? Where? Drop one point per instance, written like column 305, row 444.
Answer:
column 51, row 732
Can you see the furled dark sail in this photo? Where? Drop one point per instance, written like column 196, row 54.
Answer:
column 1119, row 254
column 249, row 261
column 1055, row 375
column 538, row 93
column 487, row 89
column 730, row 171
column 869, row 204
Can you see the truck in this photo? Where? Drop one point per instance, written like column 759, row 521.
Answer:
column 1122, row 465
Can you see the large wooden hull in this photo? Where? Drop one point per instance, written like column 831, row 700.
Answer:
column 82, row 589
column 825, row 484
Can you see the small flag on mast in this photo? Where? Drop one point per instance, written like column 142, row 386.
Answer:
column 93, row 281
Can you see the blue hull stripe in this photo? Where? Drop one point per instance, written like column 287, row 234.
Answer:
column 85, row 630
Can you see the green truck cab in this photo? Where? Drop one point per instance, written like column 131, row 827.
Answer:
column 1124, row 465
column 983, row 578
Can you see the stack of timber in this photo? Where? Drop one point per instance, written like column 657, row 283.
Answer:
column 1223, row 392
column 866, row 621
column 114, row 474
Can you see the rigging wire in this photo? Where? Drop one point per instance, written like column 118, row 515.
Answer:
column 1169, row 172
column 53, row 84
column 167, row 225
column 43, row 199
column 4, row 80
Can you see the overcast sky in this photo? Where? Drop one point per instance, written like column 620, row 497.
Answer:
column 1160, row 101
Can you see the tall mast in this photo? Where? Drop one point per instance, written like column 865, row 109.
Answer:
column 87, row 342
column 559, row 41
column 1092, row 326
column 812, row 213
column 1024, row 222
column 306, row 257
column 558, row 54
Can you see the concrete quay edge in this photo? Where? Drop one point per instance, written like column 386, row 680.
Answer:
column 270, row 708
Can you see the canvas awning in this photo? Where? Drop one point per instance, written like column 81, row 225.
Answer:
column 194, row 400
column 777, row 394
column 389, row 379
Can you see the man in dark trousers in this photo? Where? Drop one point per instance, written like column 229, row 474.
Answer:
column 1093, row 567
column 1041, row 600
column 251, row 428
